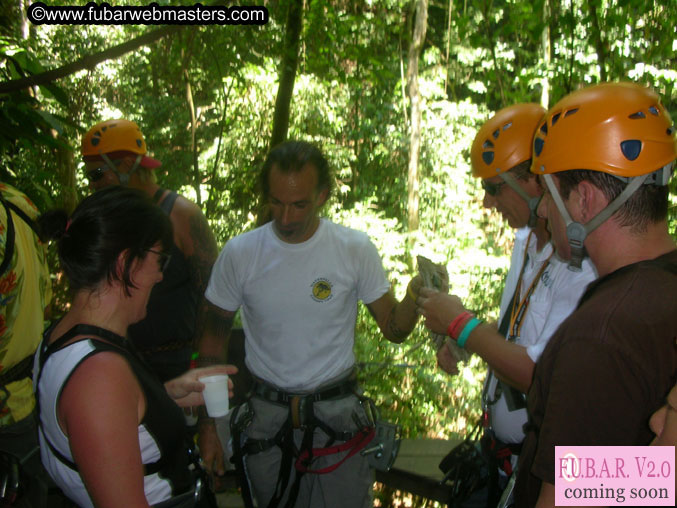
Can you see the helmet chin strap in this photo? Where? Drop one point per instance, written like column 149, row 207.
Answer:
column 123, row 177
column 577, row 232
column 532, row 202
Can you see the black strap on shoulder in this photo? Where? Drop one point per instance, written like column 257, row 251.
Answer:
column 505, row 321
column 9, row 242
column 514, row 398
column 17, row 371
column 158, row 195
column 96, row 334
column 23, row 215
column 167, row 203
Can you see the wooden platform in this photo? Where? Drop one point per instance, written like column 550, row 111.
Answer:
column 416, row 469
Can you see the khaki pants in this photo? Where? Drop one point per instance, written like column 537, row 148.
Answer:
column 350, row 485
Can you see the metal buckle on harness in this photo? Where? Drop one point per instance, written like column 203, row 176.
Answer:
column 384, row 447
column 198, row 490
column 298, row 409
column 241, row 417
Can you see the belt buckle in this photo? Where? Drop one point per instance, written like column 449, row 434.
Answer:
column 297, row 410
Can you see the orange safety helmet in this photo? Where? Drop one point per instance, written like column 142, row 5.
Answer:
column 505, row 140
column 617, row 128
column 117, row 136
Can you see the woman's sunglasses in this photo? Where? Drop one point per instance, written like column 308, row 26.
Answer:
column 163, row 258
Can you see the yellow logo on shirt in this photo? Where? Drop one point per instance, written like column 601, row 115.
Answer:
column 322, row 290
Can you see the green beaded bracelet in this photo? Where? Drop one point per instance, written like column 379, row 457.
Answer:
column 465, row 333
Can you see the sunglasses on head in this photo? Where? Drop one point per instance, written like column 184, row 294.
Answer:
column 492, row 188
column 96, row 174
column 163, row 258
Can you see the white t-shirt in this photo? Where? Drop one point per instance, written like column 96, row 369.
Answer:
column 555, row 297
column 298, row 301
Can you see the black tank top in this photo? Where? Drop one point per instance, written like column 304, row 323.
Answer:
column 163, row 419
column 169, row 324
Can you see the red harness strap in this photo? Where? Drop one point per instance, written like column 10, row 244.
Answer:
column 503, row 455
column 359, row 441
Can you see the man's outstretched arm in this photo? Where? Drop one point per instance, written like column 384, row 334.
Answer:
column 396, row 320
column 213, row 349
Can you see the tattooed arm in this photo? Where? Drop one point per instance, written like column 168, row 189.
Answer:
column 213, row 348
column 196, row 241
column 212, row 327
column 213, row 344
column 395, row 319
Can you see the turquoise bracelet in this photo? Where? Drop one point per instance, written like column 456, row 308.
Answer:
column 467, row 329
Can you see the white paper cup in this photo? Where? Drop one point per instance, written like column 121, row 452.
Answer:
column 216, row 394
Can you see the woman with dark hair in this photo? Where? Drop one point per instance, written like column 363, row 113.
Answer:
column 111, row 434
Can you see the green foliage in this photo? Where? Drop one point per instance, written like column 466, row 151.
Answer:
column 27, row 127
column 404, row 379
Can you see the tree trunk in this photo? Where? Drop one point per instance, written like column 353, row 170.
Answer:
column 89, row 61
column 24, row 26
column 420, row 27
column 572, row 49
column 599, row 42
column 545, row 47
column 288, row 66
column 488, row 16
column 193, row 139
column 67, row 198
column 446, row 57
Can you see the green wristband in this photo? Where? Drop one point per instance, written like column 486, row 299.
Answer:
column 467, row 329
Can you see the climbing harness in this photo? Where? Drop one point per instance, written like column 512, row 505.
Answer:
column 383, row 437
column 97, row 334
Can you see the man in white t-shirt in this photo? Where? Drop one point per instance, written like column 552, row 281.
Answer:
column 540, row 292
column 297, row 281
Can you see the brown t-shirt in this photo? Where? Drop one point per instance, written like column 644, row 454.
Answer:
column 608, row 367
column 672, row 398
